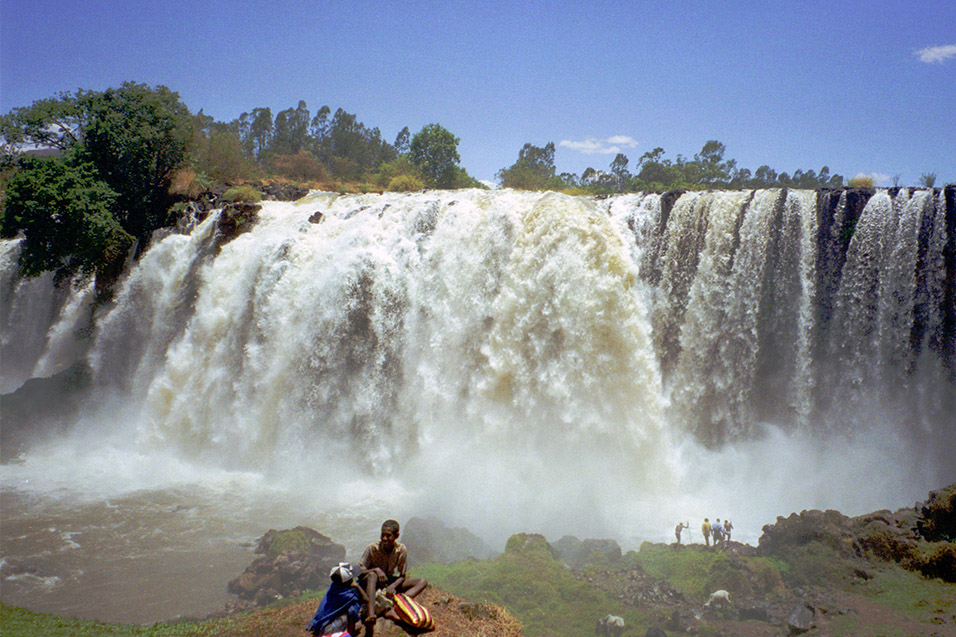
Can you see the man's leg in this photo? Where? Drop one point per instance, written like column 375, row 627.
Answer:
column 371, row 583
column 412, row 587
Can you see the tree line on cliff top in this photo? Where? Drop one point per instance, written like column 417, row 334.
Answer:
column 85, row 175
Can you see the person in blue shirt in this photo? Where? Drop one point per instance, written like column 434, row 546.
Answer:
column 340, row 607
column 718, row 532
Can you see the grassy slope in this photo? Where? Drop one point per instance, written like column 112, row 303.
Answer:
column 549, row 599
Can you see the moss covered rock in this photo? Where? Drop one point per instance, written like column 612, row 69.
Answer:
column 938, row 515
column 293, row 561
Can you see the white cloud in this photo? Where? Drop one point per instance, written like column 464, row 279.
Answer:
column 594, row 146
column 623, row 140
column 879, row 179
column 937, row 53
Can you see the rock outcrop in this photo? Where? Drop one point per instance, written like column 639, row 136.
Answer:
column 578, row 553
column 293, row 561
column 429, row 540
column 917, row 538
column 235, row 219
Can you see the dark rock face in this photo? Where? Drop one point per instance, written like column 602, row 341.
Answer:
column 885, row 535
column 235, row 219
column 938, row 515
column 579, row 553
column 831, row 528
column 292, row 561
column 282, row 192
column 917, row 538
column 29, row 408
column 429, row 540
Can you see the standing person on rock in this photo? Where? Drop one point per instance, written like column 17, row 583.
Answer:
column 383, row 574
column 717, row 530
column 680, row 527
column 705, row 529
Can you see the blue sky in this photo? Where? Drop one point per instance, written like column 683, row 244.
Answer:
column 864, row 87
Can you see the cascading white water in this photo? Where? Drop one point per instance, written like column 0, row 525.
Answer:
column 508, row 361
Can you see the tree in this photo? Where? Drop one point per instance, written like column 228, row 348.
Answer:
column 136, row 137
column 350, row 143
column 290, row 130
column 402, row 140
column 80, row 211
column 65, row 214
column 217, row 149
column 714, row 171
column 534, row 169
column 48, row 123
column 260, row 130
column 319, row 130
column 656, row 172
column 619, row 170
column 434, row 150
column 927, row 180
column 764, row 177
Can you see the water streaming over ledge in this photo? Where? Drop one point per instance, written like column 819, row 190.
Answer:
column 507, row 360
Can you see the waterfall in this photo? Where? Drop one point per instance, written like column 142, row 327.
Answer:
column 438, row 338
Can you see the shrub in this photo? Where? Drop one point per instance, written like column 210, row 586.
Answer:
column 244, row 193
column 185, row 182
column 390, row 170
column 406, row 183
column 860, row 181
column 302, row 166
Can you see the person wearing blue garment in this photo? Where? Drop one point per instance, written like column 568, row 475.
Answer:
column 340, row 607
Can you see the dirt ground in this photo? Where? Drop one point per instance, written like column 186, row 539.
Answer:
column 453, row 617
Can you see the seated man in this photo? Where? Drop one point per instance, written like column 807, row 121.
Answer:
column 384, row 565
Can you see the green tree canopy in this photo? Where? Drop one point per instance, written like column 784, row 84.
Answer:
column 65, row 213
column 136, row 136
column 82, row 209
column 534, row 169
column 434, row 150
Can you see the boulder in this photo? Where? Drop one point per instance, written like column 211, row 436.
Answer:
column 801, row 619
column 830, row 528
column 235, row 219
column 532, row 544
column 293, row 561
column 429, row 540
column 937, row 516
column 282, row 192
column 582, row 553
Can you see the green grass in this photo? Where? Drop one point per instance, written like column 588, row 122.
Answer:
column 19, row 622
column 244, row 192
column 540, row 591
column 688, row 568
column 909, row 592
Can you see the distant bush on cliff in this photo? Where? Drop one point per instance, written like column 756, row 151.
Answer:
column 243, row 193
column 860, row 181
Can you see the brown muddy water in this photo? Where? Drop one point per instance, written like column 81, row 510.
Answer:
column 138, row 558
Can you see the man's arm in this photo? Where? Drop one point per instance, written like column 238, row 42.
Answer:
column 402, row 563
